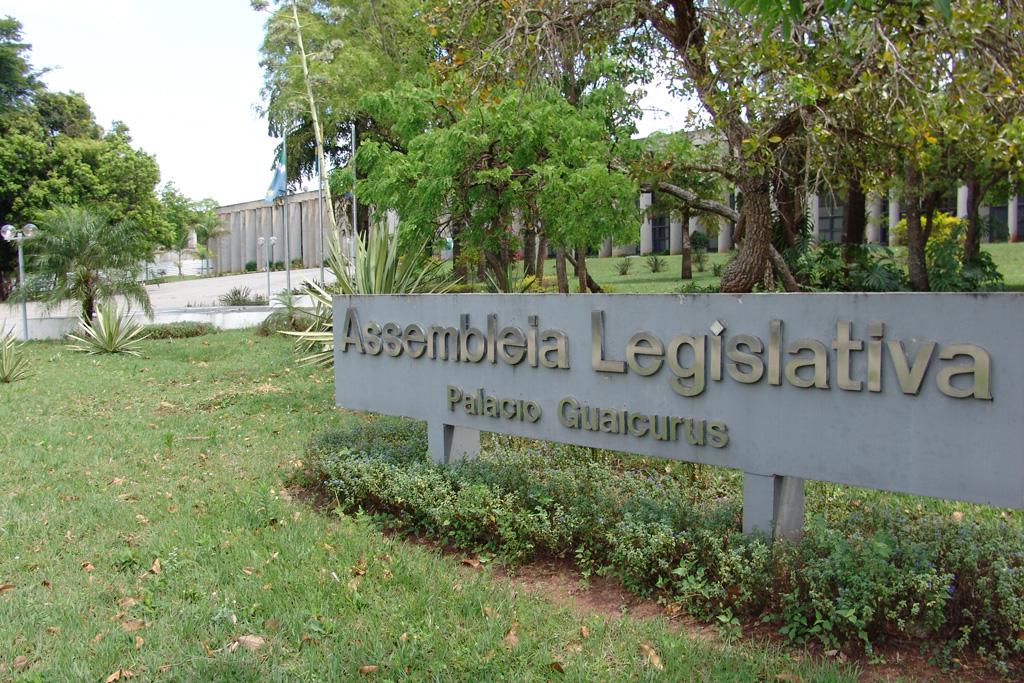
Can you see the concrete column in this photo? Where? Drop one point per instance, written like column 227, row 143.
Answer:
column 772, row 505
column 234, row 239
column 606, row 248
column 874, row 235
column 724, row 236
column 675, row 236
column 252, row 230
column 894, row 217
column 295, row 230
column 961, row 201
column 814, row 209
column 646, row 229
column 1012, row 219
column 448, row 444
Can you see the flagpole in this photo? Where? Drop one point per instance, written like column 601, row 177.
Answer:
column 355, row 202
column 320, row 199
column 284, row 215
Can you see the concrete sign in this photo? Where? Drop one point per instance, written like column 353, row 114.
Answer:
column 919, row 393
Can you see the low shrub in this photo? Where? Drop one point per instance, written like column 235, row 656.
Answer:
column 655, row 263
column 250, row 266
column 179, row 330
column 13, row 365
column 242, row 296
column 695, row 288
column 700, row 259
column 863, row 572
column 623, row 265
column 285, row 320
column 111, row 332
column 717, row 268
column 699, row 241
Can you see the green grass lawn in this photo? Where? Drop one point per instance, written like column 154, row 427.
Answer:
column 1008, row 257
column 146, row 525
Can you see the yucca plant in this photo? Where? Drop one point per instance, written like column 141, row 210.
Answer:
column 13, row 365
column 385, row 263
column 110, row 332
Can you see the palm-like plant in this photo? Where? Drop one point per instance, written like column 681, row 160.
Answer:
column 80, row 255
column 13, row 365
column 110, row 332
column 385, row 263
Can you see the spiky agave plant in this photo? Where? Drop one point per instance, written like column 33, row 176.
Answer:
column 13, row 365
column 110, row 332
column 385, row 263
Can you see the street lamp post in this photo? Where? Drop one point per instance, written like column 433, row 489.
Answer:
column 13, row 234
column 267, row 244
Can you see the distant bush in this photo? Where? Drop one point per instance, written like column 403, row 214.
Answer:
column 623, row 265
column 717, row 268
column 285, row 320
column 242, row 296
column 699, row 241
column 700, row 259
column 179, row 330
column 881, row 568
column 297, row 263
column 250, row 266
column 694, row 288
column 943, row 225
column 655, row 263
column 277, row 265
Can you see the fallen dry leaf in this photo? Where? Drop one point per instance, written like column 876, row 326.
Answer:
column 133, row 625
column 251, row 643
column 584, row 631
column 53, row 630
column 368, row 669
column 404, row 637
column 788, row 677
column 119, row 675
column 139, row 642
column 87, row 566
column 557, row 666
column 511, row 637
column 127, row 603
column 116, row 481
column 958, row 516
column 21, row 662
column 488, row 612
column 155, row 568
column 247, row 571
column 471, row 562
column 651, row 655
column 6, row 587
column 141, row 519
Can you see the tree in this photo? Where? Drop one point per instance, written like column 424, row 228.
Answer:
column 80, row 255
column 474, row 166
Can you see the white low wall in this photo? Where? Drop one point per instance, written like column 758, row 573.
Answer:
column 222, row 317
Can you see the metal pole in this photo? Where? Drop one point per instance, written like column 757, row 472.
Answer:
column 284, row 214
column 21, row 283
column 266, row 256
column 320, row 199
column 355, row 202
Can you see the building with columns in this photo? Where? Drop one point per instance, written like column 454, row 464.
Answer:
column 663, row 233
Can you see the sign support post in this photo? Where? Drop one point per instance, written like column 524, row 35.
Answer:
column 449, row 444
column 773, row 505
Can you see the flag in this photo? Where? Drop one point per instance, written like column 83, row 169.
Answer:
column 279, row 183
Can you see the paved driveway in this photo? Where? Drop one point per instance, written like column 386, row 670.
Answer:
column 185, row 294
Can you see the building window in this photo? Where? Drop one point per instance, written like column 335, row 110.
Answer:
column 830, row 218
column 660, row 233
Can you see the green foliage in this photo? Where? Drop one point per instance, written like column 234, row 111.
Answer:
column 251, row 267
column 947, row 271
column 184, row 215
column 624, row 265
column 287, row 319
column 868, row 574
column 242, row 296
column 699, row 241
column 179, row 330
column 13, row 364
column 655, row 263
column 700, row 259
column 717, row 268
column 80, row 255
column 865, row 268
column 386, row 262
column 695, row 288
column 112, row 331
column 943, row 226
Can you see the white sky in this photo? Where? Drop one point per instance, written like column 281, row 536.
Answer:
column 184, row 76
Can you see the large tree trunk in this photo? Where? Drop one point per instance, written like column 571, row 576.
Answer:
column 856, row 215
column 686, row 267
column 560, row 271
column 748, row 268
column 542, row 255
column 581, row 270
column 917, row 268
column 791, row 210
column 459, row 268
column 591, row 284
column 972, row 244
column 529, row 251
